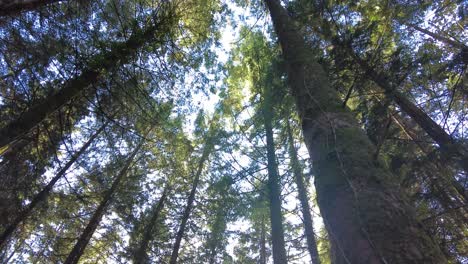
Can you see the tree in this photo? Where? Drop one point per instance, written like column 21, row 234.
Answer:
column 140, row 255
column 42, row 195
column 206, row 151
column 352, row 190
column 303, row 197
column 158, row 25
column 93, row 223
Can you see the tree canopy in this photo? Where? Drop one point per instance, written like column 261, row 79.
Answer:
column 217, row 131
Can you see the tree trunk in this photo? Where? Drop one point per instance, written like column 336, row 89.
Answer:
column 190, row 201
column 447, row 144
column 119, row 55
column 88, row 232
column 13, row 7
column 42, row 195
column 440, row 38
column 140, row 255
column 303, row 198
column 274, row 189
column 368, row 219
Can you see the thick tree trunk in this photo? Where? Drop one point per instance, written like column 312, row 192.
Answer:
column 274, row 189
column 367, row 218
column 189, row 206
column 42, row 195
column 119, row 55
column 303, row 198
column 95, row 220
column 13, row 7
column 141, row 255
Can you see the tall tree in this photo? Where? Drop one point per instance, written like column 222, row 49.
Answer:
column 274, row 184
column 303, row 197
column 44, row 193
column 207, row 149
column 368, row 219
column 93, row 223
column 157, row 26
column 140, row 255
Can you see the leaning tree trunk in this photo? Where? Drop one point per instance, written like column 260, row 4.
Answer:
column 141, row 256
column 274, row 189
column 303, row 198
column 42, row 195
column 190, row 201
column 447, row 144
column 440, row 38
column 368, row 219
column 13, row 7
column 85, row 237
column 119, row 55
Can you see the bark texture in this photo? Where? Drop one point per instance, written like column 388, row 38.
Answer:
column 303, row 199
column 44, row 193
column 95, row 220
column 367, row 218
column 119, row 55
column 141, row 255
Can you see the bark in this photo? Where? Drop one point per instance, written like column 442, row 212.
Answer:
column 189, row 206
column 13, row 7
column 119, row 55
column 303, row 198
column 44, row 193
column 368, row 219
column 274, row 189
column 141, row 256
column 95, row 220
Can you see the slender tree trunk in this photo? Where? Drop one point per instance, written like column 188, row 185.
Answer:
column 303, row 198
column 93, row 223
column 274, row 189
column 190, row 201
column 413, row 135
column 440, row 38
column 42, row 195
column 13, row 7
column 368, row 219
column 119, row 55
column 141, row 255
column 447, row 144
column 263, row 255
